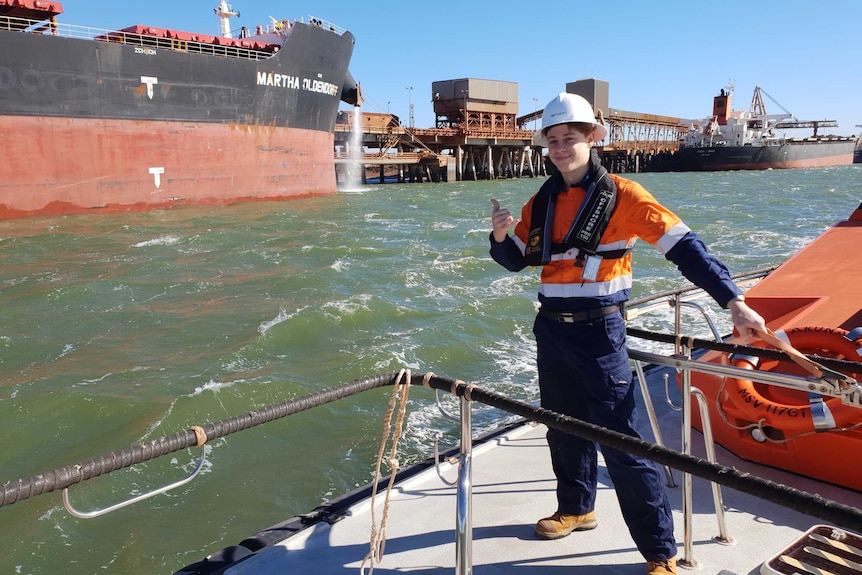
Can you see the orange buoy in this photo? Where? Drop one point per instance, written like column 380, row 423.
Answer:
column 794, row 411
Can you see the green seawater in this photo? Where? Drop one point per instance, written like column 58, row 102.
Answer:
column 119, row 329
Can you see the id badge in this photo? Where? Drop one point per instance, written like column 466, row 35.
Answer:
column 591, row 268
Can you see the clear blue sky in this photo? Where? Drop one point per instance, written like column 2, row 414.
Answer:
column 661, row 57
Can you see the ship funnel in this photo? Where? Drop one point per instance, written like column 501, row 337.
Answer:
column 721, row 107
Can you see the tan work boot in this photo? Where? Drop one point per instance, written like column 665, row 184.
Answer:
column 667, row 567
column 559, row 524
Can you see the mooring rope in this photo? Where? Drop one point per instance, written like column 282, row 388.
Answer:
column 378, row 535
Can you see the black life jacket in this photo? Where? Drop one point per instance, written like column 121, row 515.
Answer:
column 589, row 223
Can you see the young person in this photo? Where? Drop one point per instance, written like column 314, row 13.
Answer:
column 580, row 227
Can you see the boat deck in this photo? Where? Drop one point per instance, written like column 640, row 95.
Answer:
column 513, row 486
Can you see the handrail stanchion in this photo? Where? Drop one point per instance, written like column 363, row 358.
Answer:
column 713, row 328
column 464, row 505
column 706, row 424
column 687, row 556
column 688, row 559
column 653, row 419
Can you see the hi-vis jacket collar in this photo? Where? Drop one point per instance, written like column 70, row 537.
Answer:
column 589, row 224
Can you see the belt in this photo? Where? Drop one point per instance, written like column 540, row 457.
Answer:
column 575, row 316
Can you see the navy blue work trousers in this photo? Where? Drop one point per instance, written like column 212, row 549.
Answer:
column 584, row 372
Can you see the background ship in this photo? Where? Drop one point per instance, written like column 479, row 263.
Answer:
column 857, row 151
column 753, row 140
column 147, row 117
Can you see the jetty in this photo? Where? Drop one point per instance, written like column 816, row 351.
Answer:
column 479, row 136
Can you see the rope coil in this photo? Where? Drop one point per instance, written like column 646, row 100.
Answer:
column 468, row 391
column 200, row 435
column 426, row 380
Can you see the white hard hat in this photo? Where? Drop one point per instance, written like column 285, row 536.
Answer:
column 564, row 109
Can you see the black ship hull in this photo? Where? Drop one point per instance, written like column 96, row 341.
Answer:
column 299, row 86
column 810, row 153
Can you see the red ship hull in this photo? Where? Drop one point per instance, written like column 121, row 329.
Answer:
column 87, row 165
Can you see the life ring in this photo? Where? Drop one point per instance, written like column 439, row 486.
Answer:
column 787, row 409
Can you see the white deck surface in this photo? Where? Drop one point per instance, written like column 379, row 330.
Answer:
column 513, row 487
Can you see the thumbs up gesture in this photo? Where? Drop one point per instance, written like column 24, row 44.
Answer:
column 502, row 221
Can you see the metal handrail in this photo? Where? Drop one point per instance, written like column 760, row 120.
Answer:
column 696, row 306
column 450, row 417
column 326, row 24
column 812, row 504
column 653, row 419
column 682, row 361
column 850, row 395
column 687, row 559
column 464, row 495
column 97, row 512
column 463, row 521
column 709, row 443
column 688, row 392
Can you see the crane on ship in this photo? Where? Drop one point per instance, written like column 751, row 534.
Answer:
column 790, row 121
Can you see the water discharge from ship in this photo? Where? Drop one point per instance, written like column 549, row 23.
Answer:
column 353, row 168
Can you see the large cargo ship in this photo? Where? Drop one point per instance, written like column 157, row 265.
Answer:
column 146, row 117
column 753, row 140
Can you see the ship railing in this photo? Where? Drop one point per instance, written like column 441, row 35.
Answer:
column 146, row 41
column 347, row 128
column 283, row 26
column 395, row 157
column 682, row 360
column 151, row 42
column 325, row 24
column 501, row 133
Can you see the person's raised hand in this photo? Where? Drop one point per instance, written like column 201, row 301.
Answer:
column 502, row 220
